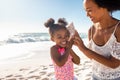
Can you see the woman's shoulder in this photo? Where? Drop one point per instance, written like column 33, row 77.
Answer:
column 90, row 32
column 117, row 32
column 118, row 27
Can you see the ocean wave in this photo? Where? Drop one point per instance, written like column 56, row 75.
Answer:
column 30, row 37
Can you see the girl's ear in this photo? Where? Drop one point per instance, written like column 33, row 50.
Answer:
column 52, row 39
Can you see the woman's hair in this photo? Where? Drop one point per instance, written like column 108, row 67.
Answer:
column 53, row 27
column 110, row 5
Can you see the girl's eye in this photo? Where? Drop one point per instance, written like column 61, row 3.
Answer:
column 59, row 37
column 66, row 35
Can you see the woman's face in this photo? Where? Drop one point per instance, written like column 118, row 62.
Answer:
column 94, row 12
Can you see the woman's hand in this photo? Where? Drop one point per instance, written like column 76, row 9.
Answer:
column 78, row 41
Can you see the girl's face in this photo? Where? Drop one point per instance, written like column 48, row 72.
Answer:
column 94, row 12
column 61, row 37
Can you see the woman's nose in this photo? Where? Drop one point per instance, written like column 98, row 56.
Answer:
column 87, row 14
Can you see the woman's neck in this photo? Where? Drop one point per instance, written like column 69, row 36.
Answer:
column 106, row 23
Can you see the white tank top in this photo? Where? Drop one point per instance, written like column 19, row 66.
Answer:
column 112, row 47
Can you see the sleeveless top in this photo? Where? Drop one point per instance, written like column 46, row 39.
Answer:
column 64, row 72
column 111, row 48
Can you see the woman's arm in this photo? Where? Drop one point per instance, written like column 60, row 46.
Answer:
column 110, row 62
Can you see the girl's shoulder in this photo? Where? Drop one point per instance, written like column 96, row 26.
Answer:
column 54, row 51
column 53, row 46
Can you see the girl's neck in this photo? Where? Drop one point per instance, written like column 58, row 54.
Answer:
column 59, row 46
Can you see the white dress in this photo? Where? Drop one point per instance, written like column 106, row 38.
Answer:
column 111, row 48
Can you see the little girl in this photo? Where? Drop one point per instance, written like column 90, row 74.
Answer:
column 62, row 54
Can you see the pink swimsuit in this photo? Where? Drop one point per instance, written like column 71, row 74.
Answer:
column 66, row 71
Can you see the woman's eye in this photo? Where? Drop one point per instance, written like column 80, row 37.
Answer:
column 89, row 10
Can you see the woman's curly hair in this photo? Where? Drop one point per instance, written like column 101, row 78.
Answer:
column 110, row 5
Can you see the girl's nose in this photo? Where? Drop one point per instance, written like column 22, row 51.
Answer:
column 63, row 38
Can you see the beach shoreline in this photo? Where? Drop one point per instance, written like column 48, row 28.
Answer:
column 38, row 64
column 31, row 70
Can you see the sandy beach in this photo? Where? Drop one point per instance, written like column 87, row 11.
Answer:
column 39, row 67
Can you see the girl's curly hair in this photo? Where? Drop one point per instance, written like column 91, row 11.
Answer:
column 53, row 27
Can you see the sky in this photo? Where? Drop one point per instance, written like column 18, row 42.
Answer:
column 22, row 16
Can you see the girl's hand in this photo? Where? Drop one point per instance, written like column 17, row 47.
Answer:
column 70, row 43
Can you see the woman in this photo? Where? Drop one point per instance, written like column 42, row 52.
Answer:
column 104, row 39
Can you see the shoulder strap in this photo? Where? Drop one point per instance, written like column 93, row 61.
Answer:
column 116, row 27
column 90, row 33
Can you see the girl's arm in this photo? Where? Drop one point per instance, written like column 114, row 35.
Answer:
column 75, row 59
column 57, row 58
column 110, row 62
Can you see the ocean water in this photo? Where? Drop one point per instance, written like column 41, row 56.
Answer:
column 24, row 45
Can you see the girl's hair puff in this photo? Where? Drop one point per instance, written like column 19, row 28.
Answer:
column 49, row 23
column 62, row 21
column 53, row 27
